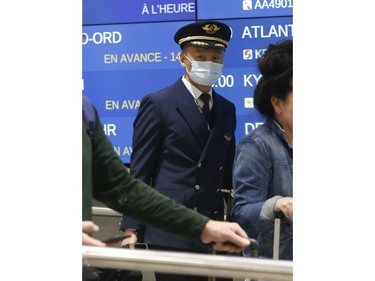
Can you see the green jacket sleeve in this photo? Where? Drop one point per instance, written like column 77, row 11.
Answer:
column 112, row 185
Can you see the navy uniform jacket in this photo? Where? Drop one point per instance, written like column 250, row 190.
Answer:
column 174, row 152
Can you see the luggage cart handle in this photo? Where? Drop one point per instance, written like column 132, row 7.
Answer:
column 254, row 246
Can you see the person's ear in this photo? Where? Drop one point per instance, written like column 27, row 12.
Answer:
column 182, row 59
column 276, row 104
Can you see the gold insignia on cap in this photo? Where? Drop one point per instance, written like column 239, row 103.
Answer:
column 211, row 28
column 219, row 45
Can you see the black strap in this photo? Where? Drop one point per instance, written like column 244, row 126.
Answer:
column 88, row 115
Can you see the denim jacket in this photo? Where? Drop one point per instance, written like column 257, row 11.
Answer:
column 262, row 173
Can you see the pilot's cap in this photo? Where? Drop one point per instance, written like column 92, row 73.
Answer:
column 211, row 34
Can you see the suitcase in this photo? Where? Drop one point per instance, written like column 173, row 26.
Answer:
column 254, row 250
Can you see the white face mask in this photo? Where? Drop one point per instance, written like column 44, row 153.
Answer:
column 205, row 72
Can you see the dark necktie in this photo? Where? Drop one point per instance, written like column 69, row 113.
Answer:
column 206, row 103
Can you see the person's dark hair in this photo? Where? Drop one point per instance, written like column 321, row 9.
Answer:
column 276, row 68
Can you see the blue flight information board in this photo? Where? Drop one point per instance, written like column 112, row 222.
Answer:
column 227, row 9
column 124, row 62
column 127, row 11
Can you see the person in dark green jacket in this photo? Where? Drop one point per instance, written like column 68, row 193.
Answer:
column 106, row 179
